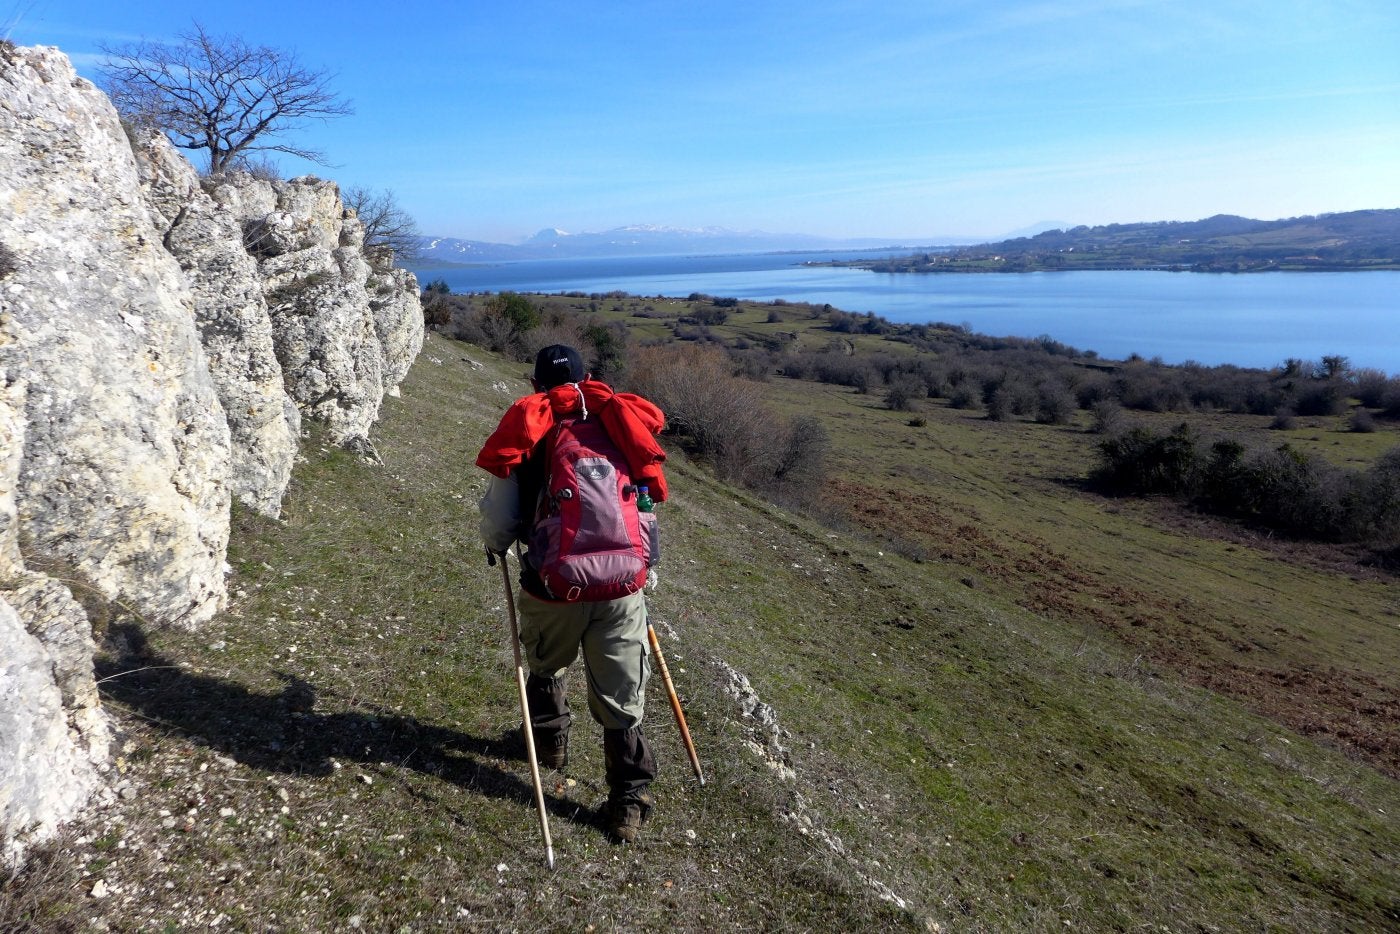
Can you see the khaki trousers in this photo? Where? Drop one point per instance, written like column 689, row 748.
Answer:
column 613, row 637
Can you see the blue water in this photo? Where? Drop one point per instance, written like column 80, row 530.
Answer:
column 1250, row 320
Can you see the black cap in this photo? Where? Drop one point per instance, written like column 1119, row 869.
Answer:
column 556, row 365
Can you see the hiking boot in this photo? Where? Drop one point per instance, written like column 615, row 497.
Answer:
column 552, row 749
column 624, row 816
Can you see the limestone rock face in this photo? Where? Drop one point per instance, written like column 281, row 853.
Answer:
column 398, row 321
column 161, row 336
column 234, row 326
column 344, row 333
column 125, row 474
column 12, row 395
column 53, row 734
column 45, row 775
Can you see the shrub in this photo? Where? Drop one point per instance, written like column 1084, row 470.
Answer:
column 1280, row 488
column 1363, row 422
column 1142, row 463
column 515, row 310
column 610, row 344
column 1376, row 513
column 1093, row 389
column 1108, row 417
column 1370, row 387
column 965, row 397
column 903, row 391
column 1321, row 397
column 1284, row 420
column 1055, row 406
column 1152, row 389
column 802, row 455
column 1291, row 492
column 1006, row 395
column 710, row 315
column 1390, row 402
column 723, row 419
column 1000, row 404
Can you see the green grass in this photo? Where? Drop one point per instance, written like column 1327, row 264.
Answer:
column 996, row 764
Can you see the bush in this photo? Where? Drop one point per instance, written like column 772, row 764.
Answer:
column 1363, row 421
column 711, row 315
column 723, row 419
column 1000, row 404
column 1142, row 463
column 802, row 455
column 965, row 397
column 1321, row 397
column 1280, row 488
column 1152, row 389
column 1390, row 402
column 609, row 343
column 1375, row 516
column 502, row 324
column 1370, row 387
column 1056, row 406
column 1108, row 417
column 903, row 391
column 1006, row 396
column 1286, row 490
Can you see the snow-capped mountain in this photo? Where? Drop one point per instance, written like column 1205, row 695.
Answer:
column 644, row 240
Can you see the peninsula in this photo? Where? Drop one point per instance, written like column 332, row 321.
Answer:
column 1224, row 243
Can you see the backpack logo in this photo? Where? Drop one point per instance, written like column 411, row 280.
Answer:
column 590, row 542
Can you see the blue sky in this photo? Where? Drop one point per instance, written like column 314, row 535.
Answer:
column 907, row 120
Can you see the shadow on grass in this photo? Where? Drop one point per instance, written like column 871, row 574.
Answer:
column 284, row 733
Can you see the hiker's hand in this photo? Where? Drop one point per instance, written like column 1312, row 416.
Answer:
column 491, row 557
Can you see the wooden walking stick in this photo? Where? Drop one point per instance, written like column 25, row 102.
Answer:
column 675, row 701
column 526, row 728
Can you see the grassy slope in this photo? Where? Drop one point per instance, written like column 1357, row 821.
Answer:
column 331, row 748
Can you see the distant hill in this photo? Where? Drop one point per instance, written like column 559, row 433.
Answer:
column 1223, row 243
column 651, row 240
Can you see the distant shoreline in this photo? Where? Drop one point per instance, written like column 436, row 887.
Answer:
column 1013, row 267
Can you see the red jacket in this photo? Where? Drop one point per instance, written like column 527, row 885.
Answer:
column 630, row 421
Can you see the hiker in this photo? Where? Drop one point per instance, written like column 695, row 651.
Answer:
column 579, row 586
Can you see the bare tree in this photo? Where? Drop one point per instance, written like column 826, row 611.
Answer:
column 386, row 223
column 219, row 94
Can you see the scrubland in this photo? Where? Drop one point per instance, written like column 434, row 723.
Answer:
column 937, row 681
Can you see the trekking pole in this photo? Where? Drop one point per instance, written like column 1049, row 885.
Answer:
column 526, row 728
column 675, row 701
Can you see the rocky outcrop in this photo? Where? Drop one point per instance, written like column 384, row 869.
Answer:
column 345, row 332
column 398, row 320
column 48, row 772
column 124, row 479
column 234, row 326
column 53, row 737
column 161, row 337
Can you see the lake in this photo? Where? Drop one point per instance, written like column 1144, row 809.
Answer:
column 1256, row 320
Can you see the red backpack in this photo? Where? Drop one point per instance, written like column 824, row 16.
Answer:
column 590, row 542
